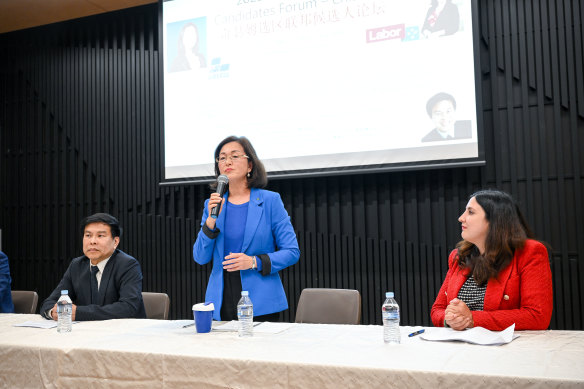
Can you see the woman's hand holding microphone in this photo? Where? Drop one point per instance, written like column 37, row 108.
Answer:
column 216, row 200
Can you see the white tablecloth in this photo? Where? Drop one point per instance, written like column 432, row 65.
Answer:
column 137, row 353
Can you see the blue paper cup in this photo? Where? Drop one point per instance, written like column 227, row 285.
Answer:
column 203, row 315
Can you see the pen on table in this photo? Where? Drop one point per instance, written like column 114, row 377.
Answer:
column 416, row 333
column 189, row 325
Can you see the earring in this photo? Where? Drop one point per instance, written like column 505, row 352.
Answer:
column 248, row 175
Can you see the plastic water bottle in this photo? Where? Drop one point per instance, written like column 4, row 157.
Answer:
column 390, row 315
column 64, row 312
column 245, row 315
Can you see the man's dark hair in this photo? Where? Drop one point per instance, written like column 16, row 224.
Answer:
column 105, row 218
column 432, row 101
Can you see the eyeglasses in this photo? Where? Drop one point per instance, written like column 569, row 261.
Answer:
column 442, row 113
column 233, row 157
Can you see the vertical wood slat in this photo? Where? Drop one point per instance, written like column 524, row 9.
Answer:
column 576, row 98
column 557, row 81
column 81, row 114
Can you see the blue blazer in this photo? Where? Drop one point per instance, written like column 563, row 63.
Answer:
column 267, row 231
column 6, row 305
column 120, row 289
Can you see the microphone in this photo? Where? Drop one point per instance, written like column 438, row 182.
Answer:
column 222, row 182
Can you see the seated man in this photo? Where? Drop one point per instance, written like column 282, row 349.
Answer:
column 5, row 281
column 105, row 283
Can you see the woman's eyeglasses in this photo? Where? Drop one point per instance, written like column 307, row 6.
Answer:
column 233, row 157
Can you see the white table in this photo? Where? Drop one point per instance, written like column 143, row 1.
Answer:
column 137, row 353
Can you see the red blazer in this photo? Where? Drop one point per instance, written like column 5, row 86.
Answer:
column 521, row 293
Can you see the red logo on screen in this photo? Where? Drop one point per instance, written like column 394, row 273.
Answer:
column 385, row 33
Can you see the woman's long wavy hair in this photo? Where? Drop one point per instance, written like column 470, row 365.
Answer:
column 507, row 232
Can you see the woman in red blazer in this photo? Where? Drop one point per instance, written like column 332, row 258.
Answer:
column 497, row 275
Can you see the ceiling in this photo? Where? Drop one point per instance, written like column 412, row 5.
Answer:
column 21, row 14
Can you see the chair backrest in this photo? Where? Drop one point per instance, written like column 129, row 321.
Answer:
column 156, row 305
column 329, row 306
column 25, row 301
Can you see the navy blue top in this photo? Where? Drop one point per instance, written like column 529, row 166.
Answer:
column 235, row 219
column 6, row 305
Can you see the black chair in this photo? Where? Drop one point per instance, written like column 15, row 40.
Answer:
column 329, row 306
column 25, row 301
column 156, row 305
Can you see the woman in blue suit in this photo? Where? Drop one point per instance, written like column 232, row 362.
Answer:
column 250, row 241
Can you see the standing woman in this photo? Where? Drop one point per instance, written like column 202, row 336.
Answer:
column 497, row 275
column 442, row 19
column 251, row 240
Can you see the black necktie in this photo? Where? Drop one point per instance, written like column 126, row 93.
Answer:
column 94, row 288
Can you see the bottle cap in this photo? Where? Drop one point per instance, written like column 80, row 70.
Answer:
column 244, row 293
column 65, row 291
column 389, row 295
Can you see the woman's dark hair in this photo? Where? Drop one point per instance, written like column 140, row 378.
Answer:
column 105, row 218
column 257, row 177
column 438, row 97
column 507, row 232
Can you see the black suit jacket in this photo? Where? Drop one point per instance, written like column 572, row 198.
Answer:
column 120, row 289
column 462, row 130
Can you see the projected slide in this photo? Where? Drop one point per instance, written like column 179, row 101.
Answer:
column 318, row 85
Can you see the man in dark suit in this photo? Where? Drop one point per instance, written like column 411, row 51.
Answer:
column 105, row 283
column 442, row 110
column 462, row 130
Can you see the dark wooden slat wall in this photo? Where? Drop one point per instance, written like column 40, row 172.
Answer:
column 81, row 132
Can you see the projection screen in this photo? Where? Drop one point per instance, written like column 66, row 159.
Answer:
column 321, row 86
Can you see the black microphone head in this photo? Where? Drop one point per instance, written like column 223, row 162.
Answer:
column 222, row 182
column 223, row 179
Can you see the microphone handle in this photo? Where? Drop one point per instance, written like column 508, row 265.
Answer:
column 215, row 212
column 221, row 190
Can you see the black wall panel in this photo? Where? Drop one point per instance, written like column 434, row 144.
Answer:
column 81, row 132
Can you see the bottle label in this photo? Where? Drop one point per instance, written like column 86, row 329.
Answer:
column 64, row 308
column 245, row 311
